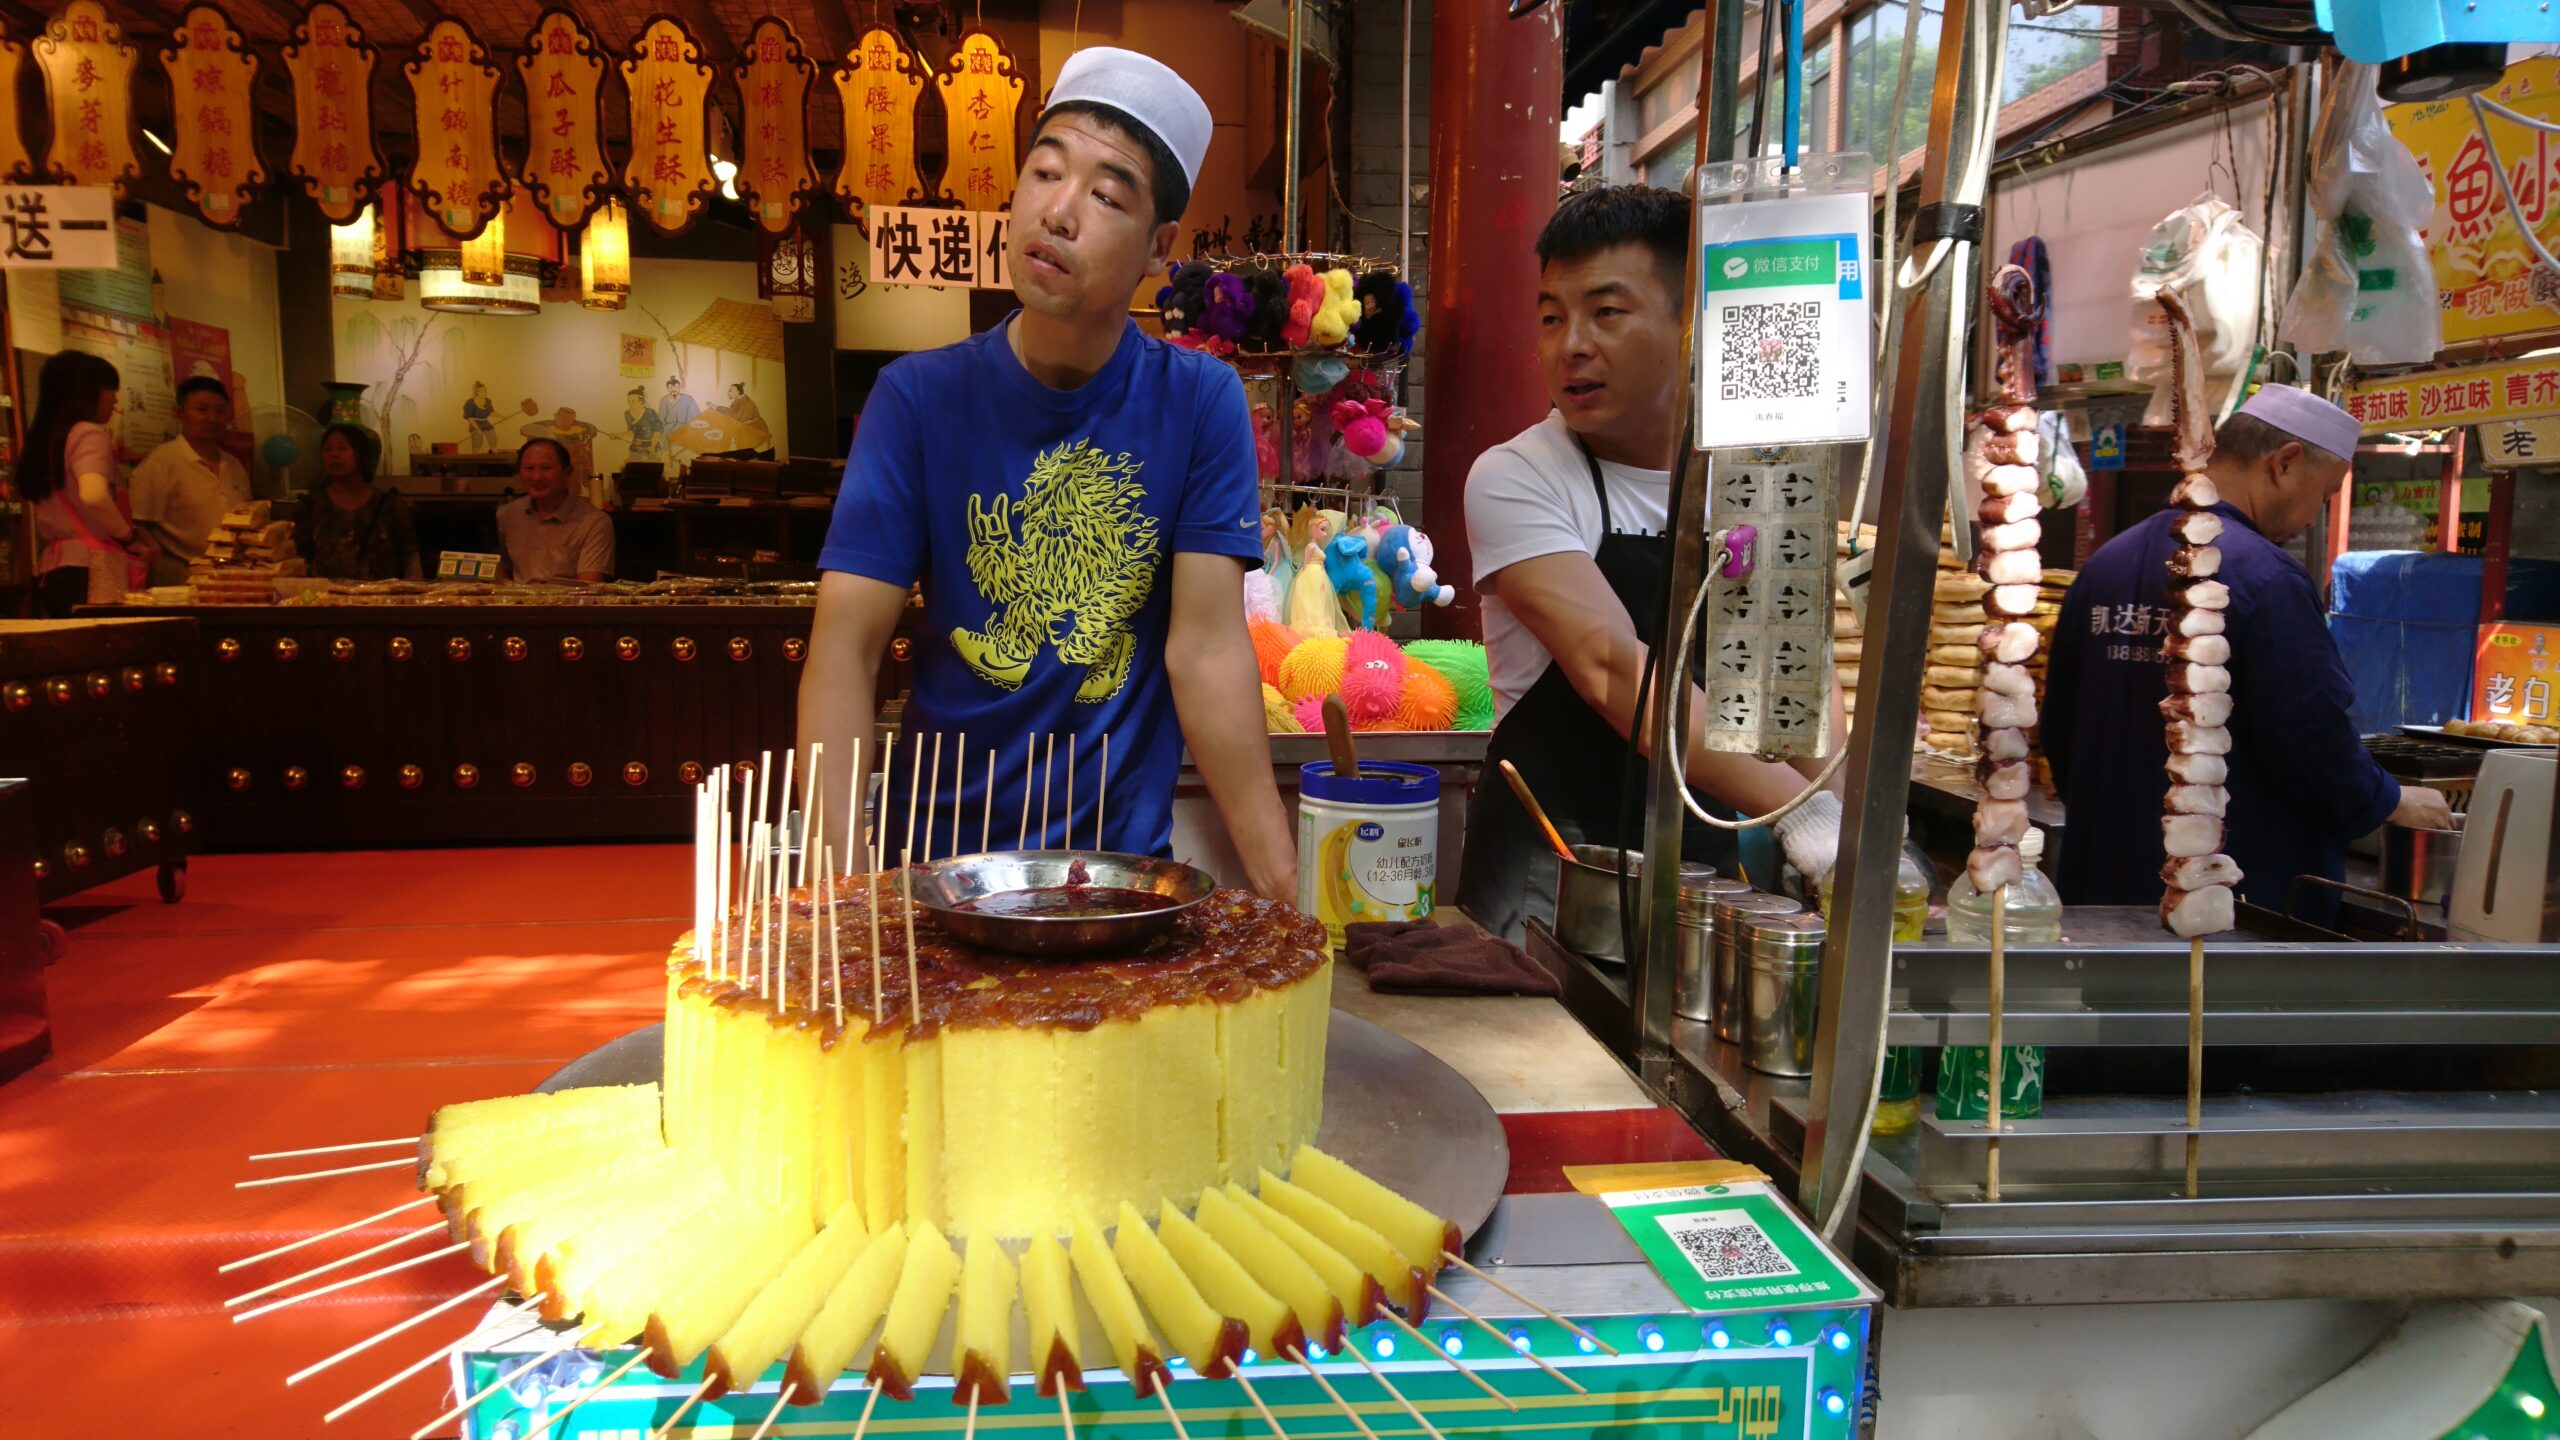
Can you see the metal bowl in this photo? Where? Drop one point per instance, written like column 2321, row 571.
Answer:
column 943, row 886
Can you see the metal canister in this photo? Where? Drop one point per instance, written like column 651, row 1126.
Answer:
column 1726, row 983
column 1693, row 993
column 1587, row 900
column 1784, row 955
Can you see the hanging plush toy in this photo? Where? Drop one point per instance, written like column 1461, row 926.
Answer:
column 1346, row 564
column 1306, row 294
column 1333, row 320
column 1405, row 554
column 1318, row 374
column 1368, row 431
column 1223, row 311
column 1270, row 313
column 1182, row 301
column 1387, row 321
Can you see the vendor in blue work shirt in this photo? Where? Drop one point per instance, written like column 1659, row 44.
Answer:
column 1079, row 502
column 2301, row 782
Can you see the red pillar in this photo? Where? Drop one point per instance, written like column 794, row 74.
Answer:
column 1495, row 101
column 2449, row 498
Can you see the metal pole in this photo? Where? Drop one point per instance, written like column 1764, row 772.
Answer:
column 1650, row 997
column 1289, row 139
column 1857, row 956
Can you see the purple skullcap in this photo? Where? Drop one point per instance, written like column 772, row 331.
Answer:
column 2306, row 417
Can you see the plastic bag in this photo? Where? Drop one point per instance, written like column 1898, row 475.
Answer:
column 2368, row 287
column 2206, row 255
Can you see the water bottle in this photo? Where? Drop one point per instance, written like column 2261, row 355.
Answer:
column 1898, row 1093
column 2033, row 917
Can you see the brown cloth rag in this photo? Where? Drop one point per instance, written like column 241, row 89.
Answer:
column 1422, row 958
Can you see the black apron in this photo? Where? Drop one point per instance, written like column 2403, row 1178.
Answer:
column 1575, row 763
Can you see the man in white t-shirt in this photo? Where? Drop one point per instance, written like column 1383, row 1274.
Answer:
column 1566, row 521
column 183, row 488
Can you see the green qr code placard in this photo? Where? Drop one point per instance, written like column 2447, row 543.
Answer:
column 1735, row 1247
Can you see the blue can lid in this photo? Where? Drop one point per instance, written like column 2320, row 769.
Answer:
column 1380, row 782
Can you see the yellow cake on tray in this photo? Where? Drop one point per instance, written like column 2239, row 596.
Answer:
column 1000, row 1096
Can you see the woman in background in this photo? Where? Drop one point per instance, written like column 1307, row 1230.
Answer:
column 351, row 530
column 86, row 550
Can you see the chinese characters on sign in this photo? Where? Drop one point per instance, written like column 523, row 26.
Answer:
column 2441, row 399
column 773, row 163
column 15, row 161
column 980, row 93
column 945, row 249
column 457, row 173
column 669, row 174
column 564, row 164
column 88, row 81
column 333, row 148
column 58, row 227
column 213, row 154
column 2489, row 284
column 2516, row 675
column 879, row 84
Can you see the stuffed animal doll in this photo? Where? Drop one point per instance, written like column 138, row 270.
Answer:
column 1346, row 564
column 1387, row 321
column 1306, row 293
column 1405, row 553
column 1333, row 321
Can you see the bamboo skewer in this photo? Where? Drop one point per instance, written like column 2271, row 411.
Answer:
column 1332, row 1394
column 1992, row 1065
column 1066, row 1414
column 405, row 1161
column 1454, row 1258
column 932, row 794
column 1102, row 793
column 959, row 787
column 915, row 763
column 1236, row 1373
column 337, row 1149
column 1068, row 815
column 1353, row 1346
column 720, row 884
column 813, row 804
column 308, row 1240
column 788, row 1390
column 423, row 1316
column 2195, row 1057
column 907, row 912
column 317, row 1271
column 1030, row 762
column 1495, row 1331
column 430, row 1358
column 591, row 1392
column 879, row 813
column 987, row 807
column 969, row 1432
column 869, row 1401
column 1048, row 769
column 835, row 946
column 684, row 1409
column 1445, row 1357
column 564, row 1342
column 1172, row 1416
column 331, row 1289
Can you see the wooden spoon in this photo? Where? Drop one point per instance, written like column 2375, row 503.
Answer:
column 1337, row 738
column 1537, row 812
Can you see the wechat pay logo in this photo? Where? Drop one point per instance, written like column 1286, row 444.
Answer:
column 1735, row 267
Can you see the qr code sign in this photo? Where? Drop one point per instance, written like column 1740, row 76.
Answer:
column 1772, row 351
column 1726, row 1245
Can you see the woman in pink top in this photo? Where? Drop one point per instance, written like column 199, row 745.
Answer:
column 84, row 545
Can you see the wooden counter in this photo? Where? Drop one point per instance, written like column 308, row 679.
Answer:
column 101, row 716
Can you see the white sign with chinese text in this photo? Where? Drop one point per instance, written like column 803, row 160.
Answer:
column 961, row 249
column 61, row 227
column 1784, row 342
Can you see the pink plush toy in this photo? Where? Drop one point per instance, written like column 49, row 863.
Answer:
column 1306, row 297
column 1365, row 429
column 1310, row 712
column 1372, row 677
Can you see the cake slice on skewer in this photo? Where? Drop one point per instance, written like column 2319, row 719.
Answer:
column 982, row 1333
column 1115, row 1305
column 1049, row 1312
column 916, row 1307
column 846, row 1318
column 781, row 1312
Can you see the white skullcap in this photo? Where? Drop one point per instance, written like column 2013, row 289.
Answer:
column 1146, row 90
column 2306, row 417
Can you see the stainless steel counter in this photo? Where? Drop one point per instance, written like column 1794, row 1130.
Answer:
column 2412, row 1150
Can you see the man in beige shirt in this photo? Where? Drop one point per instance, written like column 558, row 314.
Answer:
column 184, row 488
column 548, row 533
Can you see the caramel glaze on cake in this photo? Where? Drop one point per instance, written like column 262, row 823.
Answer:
column 1011, row 1095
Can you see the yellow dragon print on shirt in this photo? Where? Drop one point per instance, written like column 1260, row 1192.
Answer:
column 1074, row 552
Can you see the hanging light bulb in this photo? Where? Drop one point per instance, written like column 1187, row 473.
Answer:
column 604, row 259
column 484, row 256
column 351, row 256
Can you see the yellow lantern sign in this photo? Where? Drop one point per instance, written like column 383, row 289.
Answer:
column 333, row 147
column 980, row 93
column 457, row 175
column 773, row 169
column 16, row 163
column 879, row 83
column 212, row 154
column 564, row 164
column 669, row 174
column 88, row 81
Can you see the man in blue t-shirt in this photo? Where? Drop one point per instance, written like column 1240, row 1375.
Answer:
column 1079, row 502
column 2301, row 783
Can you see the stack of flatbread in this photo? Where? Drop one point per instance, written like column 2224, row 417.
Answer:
column 1848, row 639
column 246, row 555
column 2048, row 614
column 1955, row 658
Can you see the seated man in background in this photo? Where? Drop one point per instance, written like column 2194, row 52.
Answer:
column 183, row 489
column 548, row 533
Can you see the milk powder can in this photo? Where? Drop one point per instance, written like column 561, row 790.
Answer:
column 1368, row 844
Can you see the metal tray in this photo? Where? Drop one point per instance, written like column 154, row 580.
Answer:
column 1392, row 1109
column 2438, row 732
